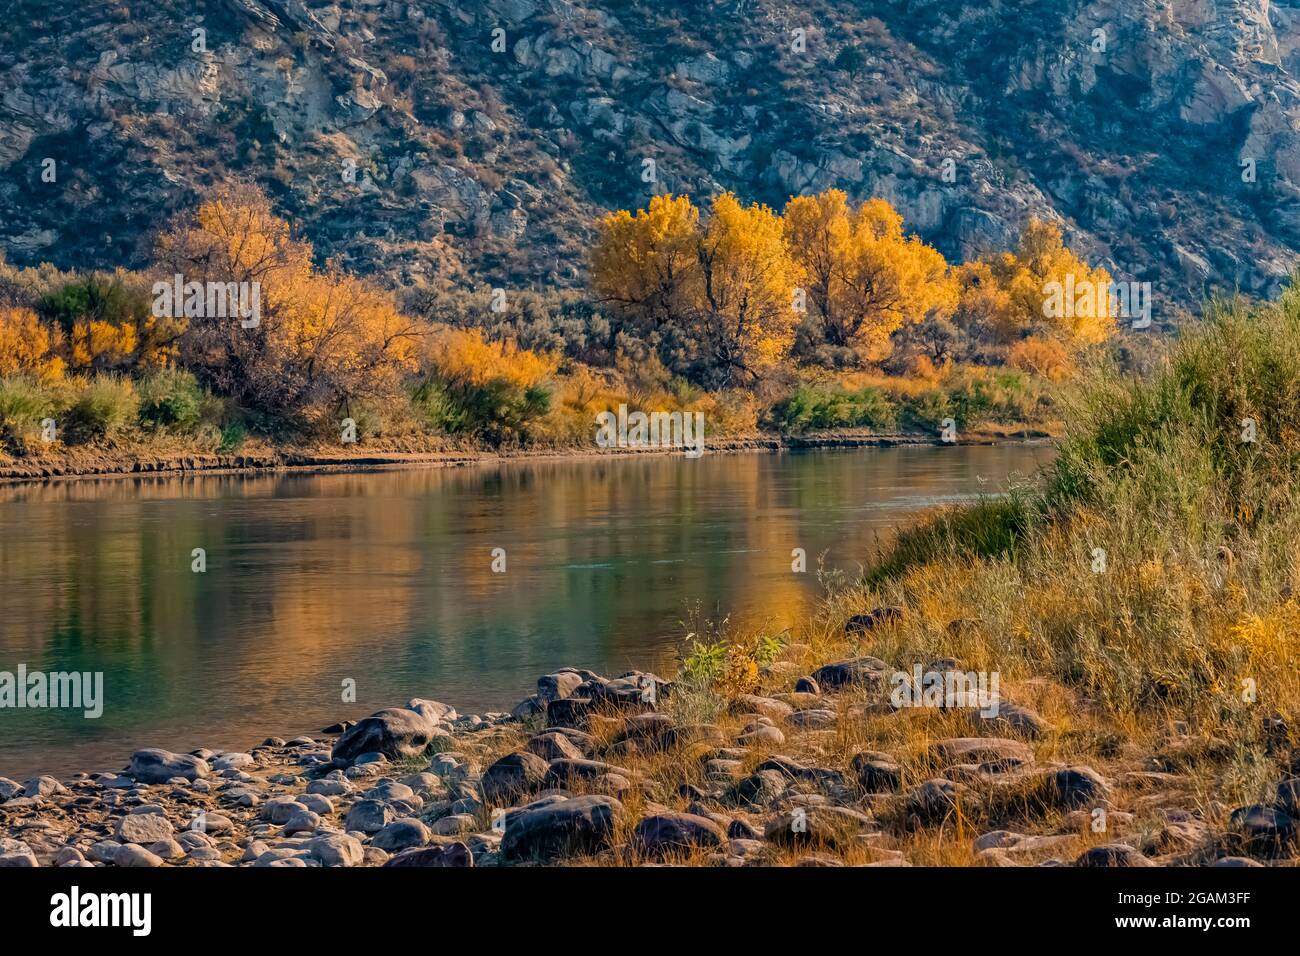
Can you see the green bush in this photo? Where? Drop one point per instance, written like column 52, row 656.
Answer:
column 24, row 401
column 233, row 434
column 98, row 296
column 812, row 407
column 496, row 411
column 928, row 411
column 1238, row 365
column 171, row 399
column 989, row 528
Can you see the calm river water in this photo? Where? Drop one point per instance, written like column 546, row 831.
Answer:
column 386, row 579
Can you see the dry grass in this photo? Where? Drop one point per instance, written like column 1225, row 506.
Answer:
column 1158, row 668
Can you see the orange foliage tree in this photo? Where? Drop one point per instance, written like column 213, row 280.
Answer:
column 29, row 345
column 321, row 338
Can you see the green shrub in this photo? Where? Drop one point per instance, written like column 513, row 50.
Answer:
column 812, row 407
column 24, row 401
column 496, row 411
column 1236, row 366
column 171, row 399
column 928, row 410
column 989, row 528
column 233, row 434
column 103, row 297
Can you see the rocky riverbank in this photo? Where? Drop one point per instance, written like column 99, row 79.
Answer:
column 814, row 767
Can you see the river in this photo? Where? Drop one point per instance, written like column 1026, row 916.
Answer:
column 385, row 581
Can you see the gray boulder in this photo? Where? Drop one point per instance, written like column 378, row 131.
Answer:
column 368, row 816
column 582, row 825
column 144, row 828
column 446, row 855
column 393, row 732
column 403, row 834
column 514, row 774
column 336, row 849
column 676, row 833
column 154, row 765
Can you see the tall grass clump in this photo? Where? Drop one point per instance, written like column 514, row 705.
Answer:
column 104, row 407
column 1155, row 570
column 24, row 401
column 171, row 399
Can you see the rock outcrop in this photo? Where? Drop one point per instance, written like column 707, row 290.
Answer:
column 415, row 143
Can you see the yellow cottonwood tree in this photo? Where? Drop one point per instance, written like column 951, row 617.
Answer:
column 725, row 288
column 866, row 278
column 744, row 305
column 1025, row 281
column 646, row 262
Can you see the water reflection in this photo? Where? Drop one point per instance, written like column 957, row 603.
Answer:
column 386, row 578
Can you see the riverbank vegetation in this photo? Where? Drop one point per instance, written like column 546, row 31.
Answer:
column 1137, row 605
column 1140, row 601
column 824, row 316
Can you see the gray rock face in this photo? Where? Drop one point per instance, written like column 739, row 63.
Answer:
column 158, row 766
column 393, row 732
column 1192, row 76
column 582, row 825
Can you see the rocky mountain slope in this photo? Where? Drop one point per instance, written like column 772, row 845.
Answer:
column 471, row 141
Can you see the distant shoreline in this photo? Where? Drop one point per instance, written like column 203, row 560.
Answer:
column 320, row 461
